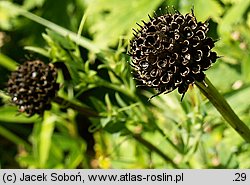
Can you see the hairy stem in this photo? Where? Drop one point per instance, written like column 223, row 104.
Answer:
column 224, row 108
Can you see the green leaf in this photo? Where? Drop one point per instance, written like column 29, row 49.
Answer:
column 29, row 4
column 13, row 137
column 7, row 15
column 229, row 73
column 120, row 101
column 45, row 137
column 41, row 51
column 115, row 126
column 248, row 20
column 11, row 114
column 239, row 100
column 109, row 105
column 63, row 49
column 243, row 157
column 230, row 1
column 75, row 148
column 203, row 9
column 82, row 41
column 233, row 15
column 246, row 67
column 64, row 42
column 109, row 20
column 7, row 62
column 98, row 104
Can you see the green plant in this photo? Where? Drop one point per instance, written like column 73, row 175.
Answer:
column 89, row 42
column 172, row 51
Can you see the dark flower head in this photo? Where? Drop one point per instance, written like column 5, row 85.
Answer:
column 32, row 86
column 171, row 51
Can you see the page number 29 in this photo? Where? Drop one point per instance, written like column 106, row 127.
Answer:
column 240, row 177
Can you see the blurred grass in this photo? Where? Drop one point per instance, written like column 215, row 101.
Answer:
column 7, row 62
column 91, row 38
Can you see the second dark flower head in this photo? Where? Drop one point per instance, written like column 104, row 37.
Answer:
column 32, row 86
column 171, row 52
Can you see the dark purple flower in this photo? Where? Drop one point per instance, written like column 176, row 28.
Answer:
column 171, row 51
column 32, row 86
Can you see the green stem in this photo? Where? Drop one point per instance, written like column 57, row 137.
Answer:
column 84, row 42
column 224, row 108
column 14, row 138
column 7, row 62
column 119, row 88
column 82, row 110
column 153, row 148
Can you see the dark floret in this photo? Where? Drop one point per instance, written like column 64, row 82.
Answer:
column 171, row 52
column 32, row 86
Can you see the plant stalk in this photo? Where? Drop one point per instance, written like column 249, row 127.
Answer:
column 14, row 138
column 82, row 41
column 82, row 110
column 151, row 147
column 224, row 108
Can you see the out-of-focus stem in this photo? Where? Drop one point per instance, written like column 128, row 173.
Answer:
column 82, row 110
column 224, row 108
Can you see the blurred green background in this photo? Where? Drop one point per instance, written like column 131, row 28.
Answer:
column 91, row 38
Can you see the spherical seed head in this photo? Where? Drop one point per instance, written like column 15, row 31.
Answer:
column 32, row 86
column 171, row 51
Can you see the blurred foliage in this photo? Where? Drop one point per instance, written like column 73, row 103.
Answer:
column 90, row 38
